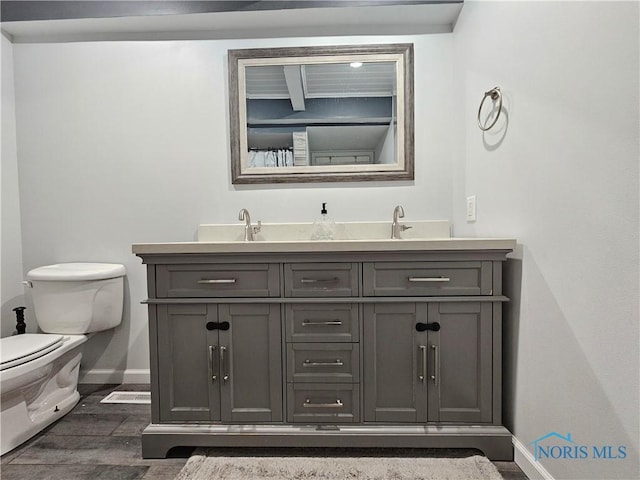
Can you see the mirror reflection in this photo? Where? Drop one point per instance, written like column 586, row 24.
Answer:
column 327, row 114
column 339, row 115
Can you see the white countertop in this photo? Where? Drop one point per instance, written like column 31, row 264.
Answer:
column 289, row 246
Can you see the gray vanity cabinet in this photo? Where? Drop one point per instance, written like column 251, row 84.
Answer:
column 219, row 363
column 326, row 349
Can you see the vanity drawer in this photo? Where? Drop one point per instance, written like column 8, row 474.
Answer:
column 219, row 280
column 427, row 278
column 322, row 322
column 323, row 362
column 321, row 279
column 323, row 403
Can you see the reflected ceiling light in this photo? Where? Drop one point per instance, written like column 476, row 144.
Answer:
column 355, row 64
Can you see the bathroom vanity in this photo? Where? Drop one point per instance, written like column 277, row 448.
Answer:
column 369, row 343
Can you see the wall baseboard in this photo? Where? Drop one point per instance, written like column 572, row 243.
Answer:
column 107, row 376
column 524, row 459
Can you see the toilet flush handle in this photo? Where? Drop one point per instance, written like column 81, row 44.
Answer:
column 27, row 283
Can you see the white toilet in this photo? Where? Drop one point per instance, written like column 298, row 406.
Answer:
column 39, row 372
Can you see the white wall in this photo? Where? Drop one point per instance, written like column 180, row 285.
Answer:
column 127, row 142
column 385, row 150
column 11, row 237
column 559, row 173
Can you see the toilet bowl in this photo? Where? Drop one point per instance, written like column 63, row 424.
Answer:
column 38, row 380
column 39, row 371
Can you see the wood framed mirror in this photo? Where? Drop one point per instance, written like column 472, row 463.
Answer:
column 321, row 114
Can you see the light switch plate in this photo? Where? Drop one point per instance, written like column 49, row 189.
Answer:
column 471, row 208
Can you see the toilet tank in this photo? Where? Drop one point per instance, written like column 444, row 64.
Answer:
column 77, row 298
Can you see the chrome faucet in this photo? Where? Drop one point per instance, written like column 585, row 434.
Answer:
column 249, row 230
column 396, row 227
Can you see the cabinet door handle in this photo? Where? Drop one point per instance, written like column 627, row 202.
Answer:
column 429, row 279
column 423, row 363
column 306, row 323
column 218, row 325
column 338, row 404
column 209, row 281
column 309, row 363
column 433, row 327
column 212, row 362
column 436, row 364
column 319, row 280
column 223, row 363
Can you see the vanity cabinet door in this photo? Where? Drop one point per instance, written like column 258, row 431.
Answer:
column 251, row 363
column 428, row 362
column 187, row 389
column 460, row 375
column 219, row 363
column 394, row 354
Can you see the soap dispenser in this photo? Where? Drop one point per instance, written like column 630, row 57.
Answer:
column 323, row 228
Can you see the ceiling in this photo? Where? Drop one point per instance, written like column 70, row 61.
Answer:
column 72, row 21
column 27, row 10
column 321, row 81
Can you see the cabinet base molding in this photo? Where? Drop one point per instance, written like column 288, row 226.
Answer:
column 494, row 441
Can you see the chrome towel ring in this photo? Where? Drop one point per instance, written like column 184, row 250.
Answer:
column 495, row 94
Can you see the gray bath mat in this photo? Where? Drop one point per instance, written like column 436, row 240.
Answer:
column 203, row 467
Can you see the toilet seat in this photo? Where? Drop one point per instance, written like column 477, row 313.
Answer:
column 24, row 348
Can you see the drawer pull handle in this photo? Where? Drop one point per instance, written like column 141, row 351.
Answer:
column 338, row 404
column 319, row 280
column 309, row 363
column 307, row 323
column 429, row 279
column 216, row 281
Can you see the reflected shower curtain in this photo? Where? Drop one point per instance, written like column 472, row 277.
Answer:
column 270, row 158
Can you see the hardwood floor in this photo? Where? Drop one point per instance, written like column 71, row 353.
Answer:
column 98, row 441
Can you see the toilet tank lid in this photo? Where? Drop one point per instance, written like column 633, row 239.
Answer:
column 74, row 272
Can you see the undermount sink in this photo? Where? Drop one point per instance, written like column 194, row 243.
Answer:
column 347, row 231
